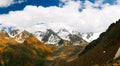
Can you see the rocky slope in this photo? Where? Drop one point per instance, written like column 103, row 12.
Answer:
column 100, row 51
column 30, row 52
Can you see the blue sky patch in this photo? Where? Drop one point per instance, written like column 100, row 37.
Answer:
column 44, row 3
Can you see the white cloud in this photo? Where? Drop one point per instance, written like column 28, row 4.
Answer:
column 6, row 3
column 118, row 2
column 89, row 20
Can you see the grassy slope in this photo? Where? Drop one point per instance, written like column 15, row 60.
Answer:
column 30, row 53
column 63, row 54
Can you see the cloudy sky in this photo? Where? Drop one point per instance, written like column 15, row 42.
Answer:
column 80, row 15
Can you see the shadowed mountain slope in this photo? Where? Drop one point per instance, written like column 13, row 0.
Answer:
column 101, row 50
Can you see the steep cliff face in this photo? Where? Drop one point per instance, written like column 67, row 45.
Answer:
column 101, row 50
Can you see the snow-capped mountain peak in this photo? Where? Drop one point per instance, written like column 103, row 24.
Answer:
column 64, row 34
column 49, row 36
column 20, row 37
column 90, row 36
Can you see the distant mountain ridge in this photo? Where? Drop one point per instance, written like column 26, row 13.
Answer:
column 49, row 36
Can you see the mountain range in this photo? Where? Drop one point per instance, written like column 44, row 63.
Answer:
column 38, row 44
column 59, row 48
column 49, row 36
